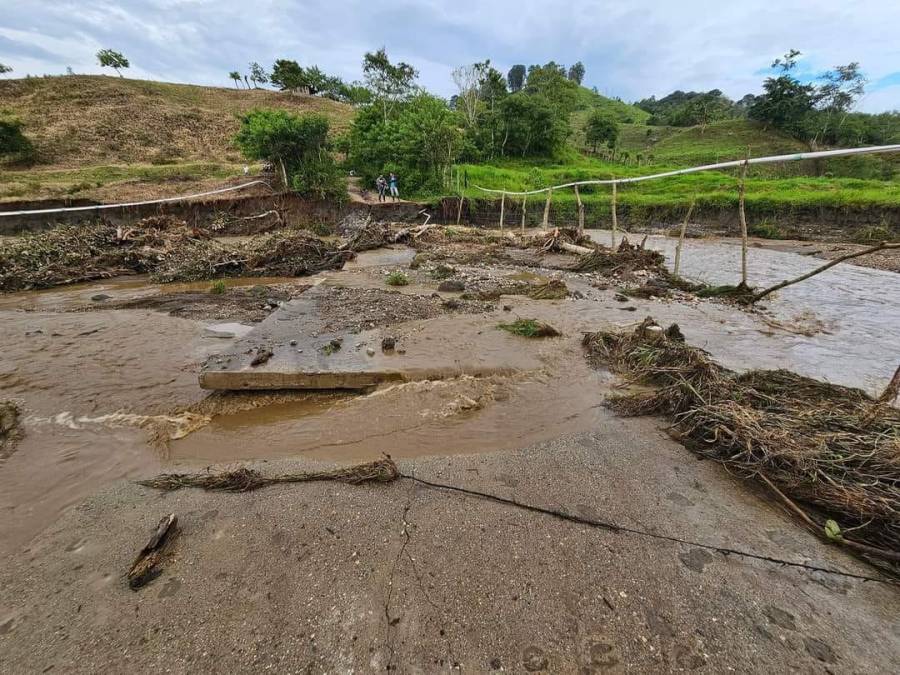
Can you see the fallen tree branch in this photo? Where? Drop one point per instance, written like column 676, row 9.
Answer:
column 143, row 569
column 831, row 263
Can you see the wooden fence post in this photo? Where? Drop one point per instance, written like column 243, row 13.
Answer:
column 459, row 211
column 615, row 217
column 743, row 217
column 547, row 208
column 681, row 239
column 580, row 212
column 524, row 200
column 502, row 204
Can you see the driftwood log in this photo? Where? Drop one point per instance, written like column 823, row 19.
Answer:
column 145, row 566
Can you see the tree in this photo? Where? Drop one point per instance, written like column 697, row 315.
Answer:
column 389, row 83
column 601, row 127
column 468, row 80
column 298, row 145
column 515, row 78
column 5, row 69
column 236, row 76
column 109, row 58
column 258, row 75
column 418, row 142
column 314, row 80
column 550, row 81
column 702, row 110
column 287, row 75
column 576, row 72
column 531, row 125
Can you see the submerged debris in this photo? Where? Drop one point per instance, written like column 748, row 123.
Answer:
column 825, row 445
column 555, row 289
column 244, row 480
column 530, row 328
column 10, row 427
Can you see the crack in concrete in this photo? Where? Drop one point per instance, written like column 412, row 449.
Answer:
column 390, row 635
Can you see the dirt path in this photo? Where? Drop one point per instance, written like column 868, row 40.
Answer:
column 366, row 195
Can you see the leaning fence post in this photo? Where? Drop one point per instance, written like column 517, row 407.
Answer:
column 615, row 217
column 681, row 238
column 580, row 212
column 502, row 204
column 547, row 208
column 524, row 200
column 459, row 211
column 743, row 218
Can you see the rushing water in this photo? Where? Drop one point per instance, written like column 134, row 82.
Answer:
column 73, row 370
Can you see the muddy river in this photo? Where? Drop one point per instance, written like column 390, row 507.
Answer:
column 112, row 393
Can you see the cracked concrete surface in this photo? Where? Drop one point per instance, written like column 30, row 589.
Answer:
column 334, row 578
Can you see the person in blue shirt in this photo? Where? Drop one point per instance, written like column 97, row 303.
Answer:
column 392, row 181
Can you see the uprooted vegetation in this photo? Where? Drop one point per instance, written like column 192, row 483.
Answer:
column 167, row 249
column 529, row 328
column 829, row 447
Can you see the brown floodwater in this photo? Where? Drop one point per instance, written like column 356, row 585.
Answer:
column 101, row 388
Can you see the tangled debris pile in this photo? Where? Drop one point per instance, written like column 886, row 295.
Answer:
column 10, row 427
column 291, row 253
column 167, row 248
column 383, row 470
column 821, row 444
column 626, row 259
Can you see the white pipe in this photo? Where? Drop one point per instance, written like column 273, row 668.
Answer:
column 116, row 206
column 710, row 167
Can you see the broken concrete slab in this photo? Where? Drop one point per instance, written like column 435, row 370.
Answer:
column 227, row 330
column 308, row 354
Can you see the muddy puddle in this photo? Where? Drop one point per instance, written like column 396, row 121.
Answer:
column 106, row 392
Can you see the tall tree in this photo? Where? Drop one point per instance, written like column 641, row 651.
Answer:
column 515, row 78
column 258, row 74
column 5, row 69
column 468, row 80
column 287, row 75
column 601, row 128
column 109, row 58
column 390, row 83
column 576, row 72
column 236, row 76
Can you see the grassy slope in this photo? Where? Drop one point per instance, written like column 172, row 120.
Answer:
column 86, row 128
column 713, row 188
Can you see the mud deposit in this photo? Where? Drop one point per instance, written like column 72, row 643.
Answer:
column 113, row 392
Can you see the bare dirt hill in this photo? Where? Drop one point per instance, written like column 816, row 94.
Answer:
column 87, row 120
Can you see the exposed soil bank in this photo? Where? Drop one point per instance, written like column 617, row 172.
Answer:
column 236, row 215
column 824, row 223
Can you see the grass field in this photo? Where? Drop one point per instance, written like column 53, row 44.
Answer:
column 711, row 188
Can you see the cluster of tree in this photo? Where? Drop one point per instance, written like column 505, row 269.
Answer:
column 402, row 129
column 694, row 108
column 820, row 111
column 297, row 146
column 517, row 77
column 289, row 75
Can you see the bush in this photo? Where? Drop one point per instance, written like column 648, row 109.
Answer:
column 396, row 279
column 217, row 287
column 13, row 143
column 296, row 145
column 766, row 230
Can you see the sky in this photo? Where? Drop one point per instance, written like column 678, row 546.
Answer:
column 631, row 48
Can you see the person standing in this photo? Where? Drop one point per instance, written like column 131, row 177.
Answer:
column 395, row 193
column 381, row 185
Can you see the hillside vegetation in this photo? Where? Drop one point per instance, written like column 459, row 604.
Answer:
column 91, row 120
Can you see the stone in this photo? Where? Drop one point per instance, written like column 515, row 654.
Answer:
column 100, row 297
column 451, row 286
column 227, row 330
column 388, row 343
